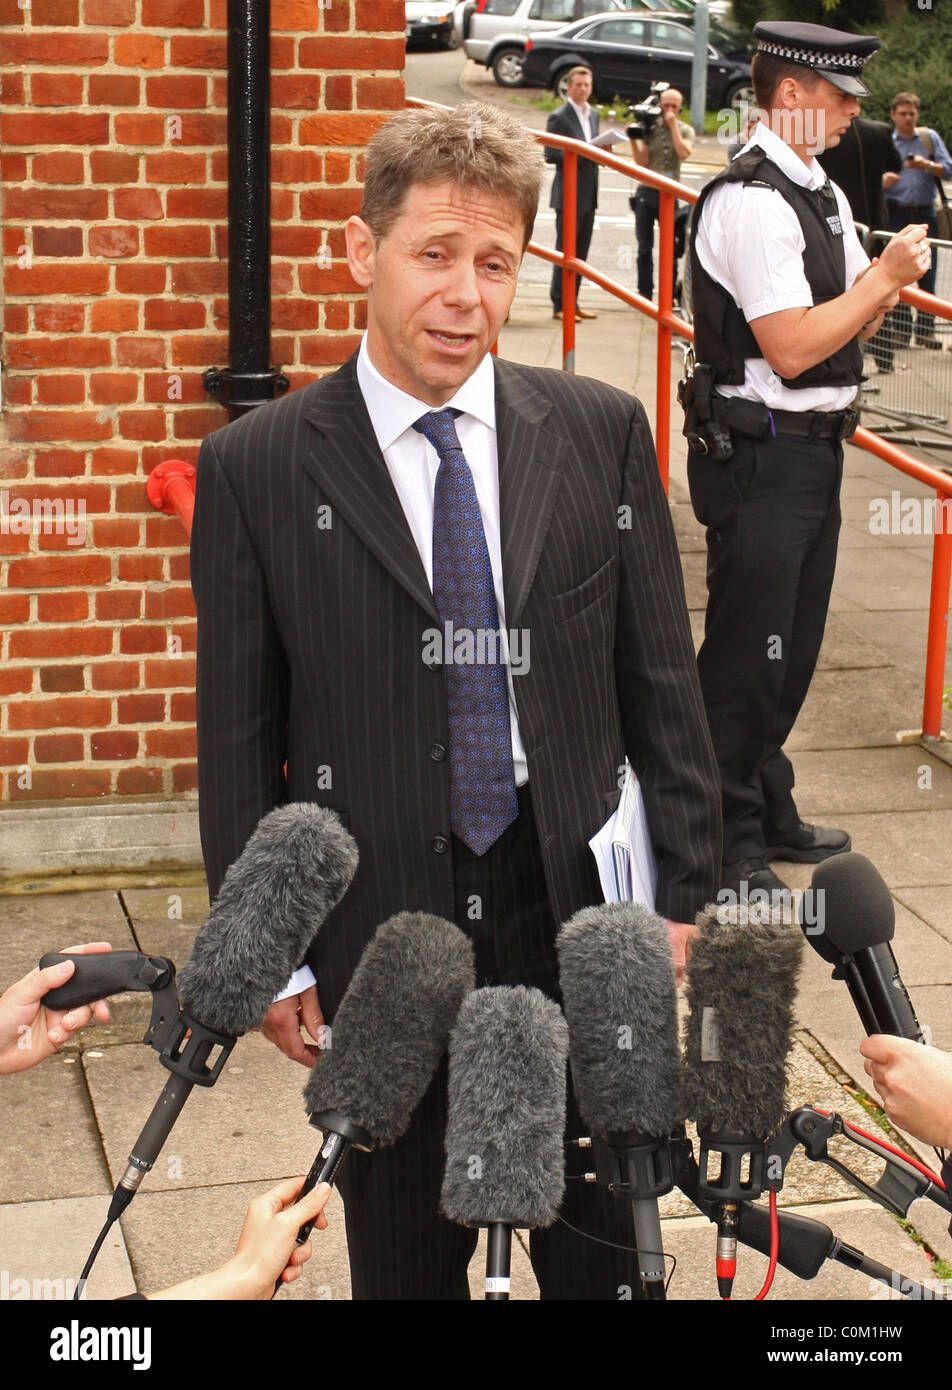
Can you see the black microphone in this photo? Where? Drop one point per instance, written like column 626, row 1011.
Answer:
column 617, row 975
column 389, row 1033
column 741, row 987
column 294, row 870
column 857, row 919
column 504, row 1135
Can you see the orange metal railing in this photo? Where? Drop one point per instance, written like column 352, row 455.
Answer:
column 171, row 485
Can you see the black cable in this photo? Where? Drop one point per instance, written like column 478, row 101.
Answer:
column 627, row 1249
column 78, row 1293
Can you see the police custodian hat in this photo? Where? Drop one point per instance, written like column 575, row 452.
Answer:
column 834, row 54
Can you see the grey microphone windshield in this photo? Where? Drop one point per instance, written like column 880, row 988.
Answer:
column 618, row 988
column 741, row 985
column 293, row 871
column 392, row 1025
column 504, row 1134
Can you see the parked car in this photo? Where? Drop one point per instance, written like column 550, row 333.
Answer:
column 498, row 32
column 428, row 19
column 494, row 32
column 627, row 53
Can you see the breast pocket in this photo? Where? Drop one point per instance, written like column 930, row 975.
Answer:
column 576, row 600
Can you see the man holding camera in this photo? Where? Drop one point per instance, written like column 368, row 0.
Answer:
column 782, row 290
column 659, row 142
column 911, row 197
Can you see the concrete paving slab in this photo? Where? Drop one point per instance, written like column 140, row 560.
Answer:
column 843, row 647
column 166, row 919
column 859, row 1223
column 173, row 1236
column 857, row 709
column 880, row 580
column 913, row 849
column 251, row 1124
column 46, row 1244
column 933, row 905
column 50, row 1145
column 851, row 780
column 32, row 926
column 694, row 566
column 687, row 529
column 900, row 638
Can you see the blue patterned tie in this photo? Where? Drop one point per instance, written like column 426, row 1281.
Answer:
column 482, row 783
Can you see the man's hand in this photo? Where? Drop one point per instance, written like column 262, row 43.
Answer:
column 266, row 1247
column 681, row 934
column 282, row 1026
column 30, row 1032
column 889, row 179
column 915, row 1084
column 906, row 257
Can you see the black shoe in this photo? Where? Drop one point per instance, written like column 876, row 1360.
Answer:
column 806, row 844
column 743, row 876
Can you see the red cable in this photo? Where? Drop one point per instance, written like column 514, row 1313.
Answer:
column 884, row 1143
column 774, row 1246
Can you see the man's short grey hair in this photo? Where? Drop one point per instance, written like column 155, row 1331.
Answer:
column 474, row 146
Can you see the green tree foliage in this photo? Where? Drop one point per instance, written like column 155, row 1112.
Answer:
column 917, row 44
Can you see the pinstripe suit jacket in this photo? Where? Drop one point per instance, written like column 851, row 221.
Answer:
column 312, row 605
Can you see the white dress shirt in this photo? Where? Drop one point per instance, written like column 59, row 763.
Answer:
column 584, row 114
column 751, row 242
column 413, row 464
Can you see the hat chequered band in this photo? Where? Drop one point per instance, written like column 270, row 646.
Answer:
column 851, row 61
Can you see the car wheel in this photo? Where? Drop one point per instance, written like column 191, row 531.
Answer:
column 560, row 85
column 507, row 67
column 741, row 94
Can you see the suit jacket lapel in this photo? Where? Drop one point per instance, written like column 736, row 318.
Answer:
column 347, row 464
column 530, row 471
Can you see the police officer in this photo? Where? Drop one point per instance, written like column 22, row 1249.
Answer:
column 782, row 290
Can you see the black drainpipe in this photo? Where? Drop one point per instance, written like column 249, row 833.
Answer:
column 250, row 380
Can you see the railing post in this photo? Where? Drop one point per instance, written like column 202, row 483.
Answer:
column 665, row 301
column 938, row 626
column 569, row 250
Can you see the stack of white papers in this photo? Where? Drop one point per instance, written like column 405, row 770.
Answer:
column 627, row 868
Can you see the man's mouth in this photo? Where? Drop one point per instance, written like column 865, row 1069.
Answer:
column 451, row 339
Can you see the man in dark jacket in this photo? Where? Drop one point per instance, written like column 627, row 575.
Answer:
column 578, row 121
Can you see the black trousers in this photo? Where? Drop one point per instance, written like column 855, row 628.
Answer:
column 584, row 223
column 400, row 1247
column 772, row 514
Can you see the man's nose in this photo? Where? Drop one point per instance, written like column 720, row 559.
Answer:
column 463, row 285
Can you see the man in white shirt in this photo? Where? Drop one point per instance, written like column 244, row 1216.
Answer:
column 781, row 289
column 339, row 534
column 578, row 121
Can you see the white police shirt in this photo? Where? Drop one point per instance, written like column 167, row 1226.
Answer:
column 751, row 242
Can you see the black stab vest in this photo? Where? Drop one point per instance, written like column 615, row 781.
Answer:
column 722, row 336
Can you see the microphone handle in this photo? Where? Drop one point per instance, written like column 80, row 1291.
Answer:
column 498, row 1262
column 861, row 1000
column 650, row 1252
column 323, row 1169
column 891, row 1005
column 148, row 1146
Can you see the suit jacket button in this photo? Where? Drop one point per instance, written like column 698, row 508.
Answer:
column 437, row 752
column 440, row 844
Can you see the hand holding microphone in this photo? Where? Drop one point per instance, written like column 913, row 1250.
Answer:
column 31, row 1031
column 915, row 1084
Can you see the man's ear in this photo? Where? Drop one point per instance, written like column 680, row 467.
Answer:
column 361, row 251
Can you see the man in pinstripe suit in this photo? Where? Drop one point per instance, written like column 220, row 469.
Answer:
column 324, row 558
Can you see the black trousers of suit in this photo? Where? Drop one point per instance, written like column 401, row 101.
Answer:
column 772, row 514
column 400, row 1247
column 584, row 223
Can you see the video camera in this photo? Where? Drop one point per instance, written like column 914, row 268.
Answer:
column 647, row 113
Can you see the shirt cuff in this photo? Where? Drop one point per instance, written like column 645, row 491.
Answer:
column 301, row 980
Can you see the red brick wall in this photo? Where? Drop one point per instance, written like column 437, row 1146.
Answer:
column 113, row 180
